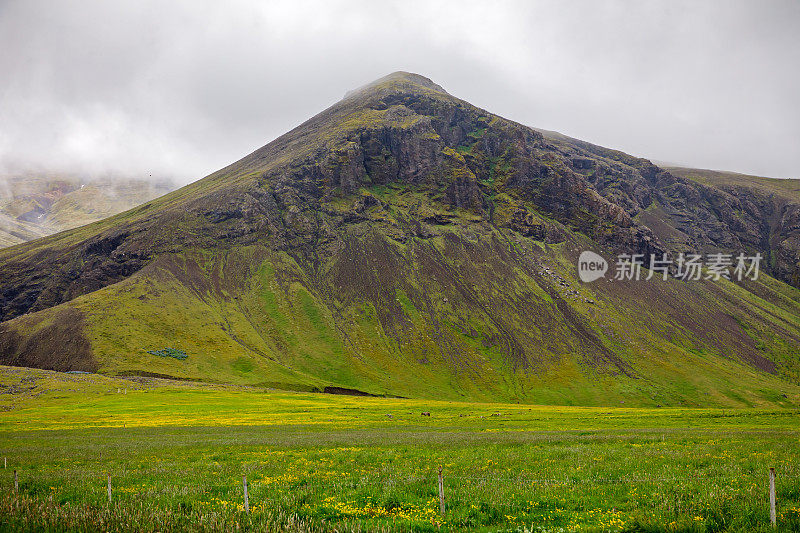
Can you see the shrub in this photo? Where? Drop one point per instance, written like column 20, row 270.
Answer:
column 180, row 355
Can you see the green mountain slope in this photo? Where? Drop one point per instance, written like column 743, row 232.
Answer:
column 404, row 242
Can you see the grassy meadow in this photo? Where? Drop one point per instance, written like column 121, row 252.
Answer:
column 176, row 453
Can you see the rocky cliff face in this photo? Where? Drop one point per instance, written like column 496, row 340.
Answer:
column 687, row 215
column 751, row 213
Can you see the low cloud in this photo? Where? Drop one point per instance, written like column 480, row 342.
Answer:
column 184, row 88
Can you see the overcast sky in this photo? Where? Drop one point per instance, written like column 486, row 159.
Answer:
column 184, row 88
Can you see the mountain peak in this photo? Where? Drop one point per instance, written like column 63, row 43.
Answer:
column 399, row 81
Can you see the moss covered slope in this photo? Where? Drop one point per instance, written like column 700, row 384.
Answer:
column 404, row 242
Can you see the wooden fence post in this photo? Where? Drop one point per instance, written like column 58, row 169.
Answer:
column 772, row 515
column 16, row 483
column 246, row 497
column 109, row 489
column 441, row 492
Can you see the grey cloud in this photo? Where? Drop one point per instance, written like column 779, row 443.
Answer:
column 185, row 88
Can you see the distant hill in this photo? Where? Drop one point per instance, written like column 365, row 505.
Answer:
column 36, row 205
column 788, row 189
column 404, row 242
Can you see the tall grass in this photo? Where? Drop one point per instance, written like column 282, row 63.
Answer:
column 312, row 479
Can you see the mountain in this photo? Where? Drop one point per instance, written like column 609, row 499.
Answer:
column 706, row 210
column 36, row 205
column 404, row 242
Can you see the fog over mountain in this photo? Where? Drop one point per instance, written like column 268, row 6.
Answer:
column 186, row 87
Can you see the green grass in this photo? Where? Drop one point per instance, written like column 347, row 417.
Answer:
column 176, row 454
